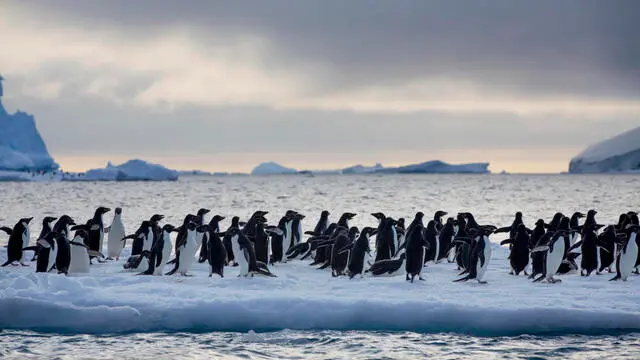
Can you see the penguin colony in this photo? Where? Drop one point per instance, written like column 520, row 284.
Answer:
column 547, row 248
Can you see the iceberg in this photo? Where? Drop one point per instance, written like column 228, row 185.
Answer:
column 438, row 167
column 21, row 146
column 620, row 153
column 132, row 170
column 272, row 168
column 360, row 169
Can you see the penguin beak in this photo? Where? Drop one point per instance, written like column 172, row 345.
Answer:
column 28, row 220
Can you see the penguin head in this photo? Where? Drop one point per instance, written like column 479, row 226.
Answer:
column 350, row 215
column 419, row 215
column 168, row 228
column 203, row 228
column 353, row 232
column 118, row 211
column 591, row 212
column 439, row 214
column 217, row 218
column 65, row 220
column 48, row 220
column 26, row 221
column 367, row 231
column 450, row 221
column 324, row 214
column 203, row 211
column 519, row 215
column 156, row 218
column 102, row 210
column 431, row 226
column 191, row 226
column 380, row 216
column 259, row 214
column 400, row 222
column 300, row 216
column 579, row 215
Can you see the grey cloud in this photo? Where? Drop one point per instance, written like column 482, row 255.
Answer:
column 571, row 47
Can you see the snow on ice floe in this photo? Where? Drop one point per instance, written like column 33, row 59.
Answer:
column 618, row 154
column 302, row 298
column 132, row 170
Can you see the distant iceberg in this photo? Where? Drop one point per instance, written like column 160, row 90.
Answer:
column 618, row 154
column 132, row 170
column 272, row 168
column 21, row 146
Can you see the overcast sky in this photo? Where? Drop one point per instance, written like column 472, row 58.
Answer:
column 223, row 85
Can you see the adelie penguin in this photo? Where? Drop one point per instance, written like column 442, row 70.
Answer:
column 323, row 223
column 519, row 255
column 199, row 220
column 554, row 254
column 217, row 254
column 480, row 254
column 589, row 249
column 96, row 231
column 226, row 240
column 358, row 250
column 415, row 245
column 512, row 230
column 80, row 252
column 430, row 235
column 385, row 247
column 607, row 242
column 445, row 239
column 296, row 227
column 214, row 227
column 185, row 250
column 48, row 252
column 628, row 254
column 47, row 227
column 18, row 240
column 160, row 252
column 339, row 258
column 115, row 234
column 277, row 241
column 246, row 257
column 437, row 217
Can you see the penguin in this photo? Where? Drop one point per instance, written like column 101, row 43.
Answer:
column 296, row 228
column 277, row 241
column 180, row 239
column 512, row 230
column 63, row 226
column 461, row 248
column 247, row 263
column 185, row 249
column 574, row 223
column 385, row 247
column 554, row 254
column 480, row 255
column 160, row 252
column 115, row 233
column 339, row 260
column 47, row 227
column 96, row 231
column 287, row 241
column 216, row 252
column 628, row 254
column 589, row 250
column 214, row 227
column 415, row 245
column 322, row 224
column 539, row 237
column 607, row 248
column 437, row 218
column 18, row 240
column 80, row 251
column 519, row 255
column 390, row 267
column 357, row 252
column 226, row 240
column 140, row 262
column 417, row 220
column 48, row 252
column 445, row 239
column 250, row 228
column 199, row 220
column 261, row 243
column 555, row 222
column 430, row 235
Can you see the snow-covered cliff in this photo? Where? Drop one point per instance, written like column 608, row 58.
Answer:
column 620, row 153
column 21, row 146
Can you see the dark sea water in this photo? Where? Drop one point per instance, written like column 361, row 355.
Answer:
column 315, row 345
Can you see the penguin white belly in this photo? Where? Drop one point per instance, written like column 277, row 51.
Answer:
column 243, row 265
column 554, row 259
column 147, row 242
column 187, row 254
column 286, row 243
column 628, row 259
column 481, row 269
column 79, row 260
column 395, row 239
column 114, row 239
column 435, row 257
column 101, row 240
column 26, row 236
column 299, row 233
column 53, row 253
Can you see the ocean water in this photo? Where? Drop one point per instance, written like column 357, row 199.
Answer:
column 304, row 313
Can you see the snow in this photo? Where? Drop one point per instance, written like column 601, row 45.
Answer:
column 21, row 146
column 620, row 153
column 132, row 170
column 109, row 300
column 272, row 168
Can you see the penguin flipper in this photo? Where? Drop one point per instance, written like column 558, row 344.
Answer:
column 30, row 248
column 8, row 230
column 506, row 241
column 468, row 277
column 542, row 248
column 502, row 230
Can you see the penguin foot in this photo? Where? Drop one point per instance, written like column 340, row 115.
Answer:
column 421, row 278
column 511, row 273
column 23, row 264
column 482, row 282
column 14, row 264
